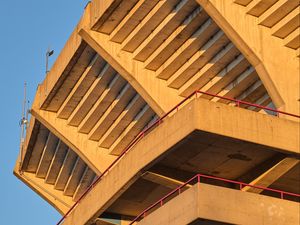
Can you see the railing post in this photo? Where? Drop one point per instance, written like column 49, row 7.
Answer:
column 241, row 186
column 198, row 177
column 161, row 202
column 281, row 195
column 179, row 190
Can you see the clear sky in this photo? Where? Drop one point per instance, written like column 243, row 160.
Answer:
column 28, row 27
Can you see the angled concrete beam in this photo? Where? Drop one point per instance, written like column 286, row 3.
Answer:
column 112, row 112
column 33, row 161
column 97, row 158
column 293, row 39
column 227, row 75
column 65, row 61
column 187, row 49
column 56, row 163
column 153, row 90
column 163, row 30
column 78, row 90
column 91, row 95
column 231, row 25
column 263, row 100
column 132, row 130
column 214, row 66
column 176, row 39
column 261, row 168
column 163, row 180
column 122, row 121
column 105, row 16
column 48, row 153
column 198, row 60
column 242, row 2
column 75, row 177
column 258, row 7
column 254, row 90
column 276, row 12
column 273, row 174
column 131, row 20
column 238, row 85
column 102, row 103
column 145, row 27
column 65, row 171
column 287, row 25
column 103, row 222
column 86, row 180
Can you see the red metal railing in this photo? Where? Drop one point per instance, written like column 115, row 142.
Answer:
column 158, row 122
column 197, row 178
column 240, row 102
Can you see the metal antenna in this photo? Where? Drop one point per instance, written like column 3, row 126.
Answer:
column 23, row 123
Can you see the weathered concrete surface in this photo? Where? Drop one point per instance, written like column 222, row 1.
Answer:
column 197, row 115
column 54, row 197
column 96, row 157
column 224, row 205
column 153, row 90
column 263, row 51
column 65, row 60
column 100, row 10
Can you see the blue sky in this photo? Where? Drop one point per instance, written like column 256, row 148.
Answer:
column 27, row 29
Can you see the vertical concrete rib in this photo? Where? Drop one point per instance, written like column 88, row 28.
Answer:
column 227, row 75
column 123, row 120
column 131, row 20
column 81, row 87
column 214, row 66
column 139, row 122
column 198, row 60
column 65, row 170
column 164, row 29
column 56, row 163
column 187, row 49
column 75, row 177
column 176, row 39
column 48, row 153
column 91, row 96
column 38, row 149
column 101, row 105
column 145, row 27
column 112, row 112
column 86, row 180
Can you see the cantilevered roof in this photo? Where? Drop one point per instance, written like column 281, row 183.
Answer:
column 53, row 168
column 182, row 45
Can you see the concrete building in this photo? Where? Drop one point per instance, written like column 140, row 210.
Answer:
column 117, row 125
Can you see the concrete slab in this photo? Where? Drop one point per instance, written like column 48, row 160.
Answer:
column 230, row 207
column 197, row 115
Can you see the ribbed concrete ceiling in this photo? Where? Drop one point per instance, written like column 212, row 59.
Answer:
column 281, row 16
column 101, row 103
column 52, row 161
column 180, row 42
column 175, row 38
